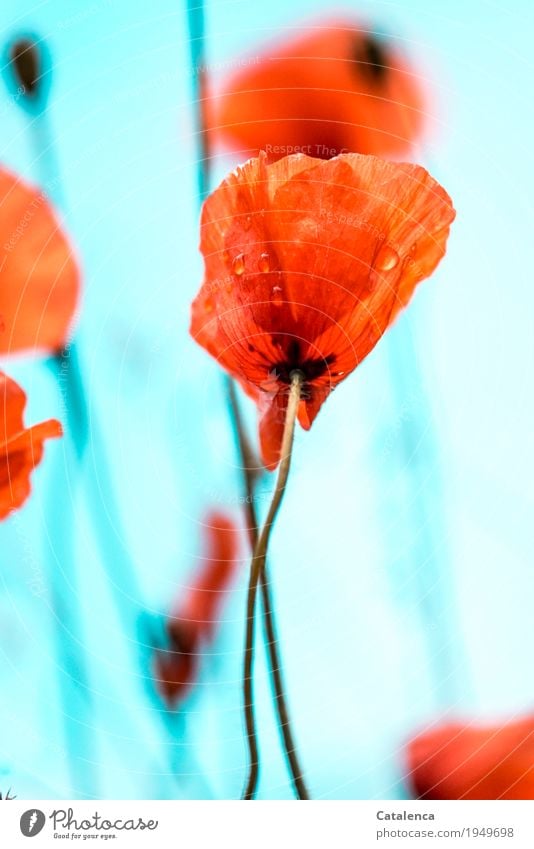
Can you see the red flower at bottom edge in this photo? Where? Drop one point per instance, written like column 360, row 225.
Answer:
column 307, row 263
column 21, row 449
column 457, row 761
column 194, row 620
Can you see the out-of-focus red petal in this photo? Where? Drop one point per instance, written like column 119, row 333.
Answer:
column 332, row 88
column 175, row 673
column 215, row 572
column 456, row 761
column 39, row 277
column 21, row 449
column 194, row 618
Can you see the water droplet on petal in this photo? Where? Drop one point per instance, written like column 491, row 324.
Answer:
column 226, row 257
column 387, row 258
column 238, row 265
column 209, row 305
column 247, row 222
column 264, row 262
column 276, row 296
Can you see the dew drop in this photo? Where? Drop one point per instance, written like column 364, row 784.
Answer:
column 209, row 305
column 264, row 262
column 226, row 257
column 247, row 223
column 387, row 258
column 238, row 265
column 276, row 296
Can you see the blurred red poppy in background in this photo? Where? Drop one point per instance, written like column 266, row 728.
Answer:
column 193, row 622
column 39, row 278
column 21, row 449
column 307, row 262
column 334, row 88
column 457, row 761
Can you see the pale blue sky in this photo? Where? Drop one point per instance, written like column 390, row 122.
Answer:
column 365, row 606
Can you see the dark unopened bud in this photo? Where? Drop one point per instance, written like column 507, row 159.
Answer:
column 372, row 57
column 26, row 61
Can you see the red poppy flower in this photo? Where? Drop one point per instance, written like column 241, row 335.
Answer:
column 458, row 761
column 334, row 88
column 307, row 262
column 39, row 278
column 21, row 449
column 194, row 620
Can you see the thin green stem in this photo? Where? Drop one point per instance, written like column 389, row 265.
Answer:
column 257, row 570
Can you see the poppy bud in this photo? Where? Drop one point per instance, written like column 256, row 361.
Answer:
column 24, row 55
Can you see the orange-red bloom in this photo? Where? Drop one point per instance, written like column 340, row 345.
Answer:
column 307, row 263
column 194, row 620
column 21, row 449
column 334, row 88
column 39, row 278
column 457, row 761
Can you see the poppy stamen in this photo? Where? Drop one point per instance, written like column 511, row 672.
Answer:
column 310, row 369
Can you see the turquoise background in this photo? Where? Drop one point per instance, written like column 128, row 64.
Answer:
column 402, row 560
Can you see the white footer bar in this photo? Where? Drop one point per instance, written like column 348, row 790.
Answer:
column 268, row 825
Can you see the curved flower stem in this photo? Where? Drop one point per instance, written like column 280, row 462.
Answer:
column 257, row 570
column 248, row 462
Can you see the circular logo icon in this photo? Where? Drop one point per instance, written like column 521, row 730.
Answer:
column 32, row 822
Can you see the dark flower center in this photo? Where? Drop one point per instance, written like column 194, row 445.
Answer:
column 311, row 367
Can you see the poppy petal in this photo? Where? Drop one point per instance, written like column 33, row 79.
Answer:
column 335, row 87
column 21, row 449
column 307, row 263
column 456, row 761
column 39, row 277
column 272, row 415
column 194, row 617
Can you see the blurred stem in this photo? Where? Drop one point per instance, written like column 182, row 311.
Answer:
column 75, row 690
column 197, row 43
column 425, row 511
column 249, row 467
column 106, row 519
column 85, row 433
column 257, row 572
column 197, row 47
